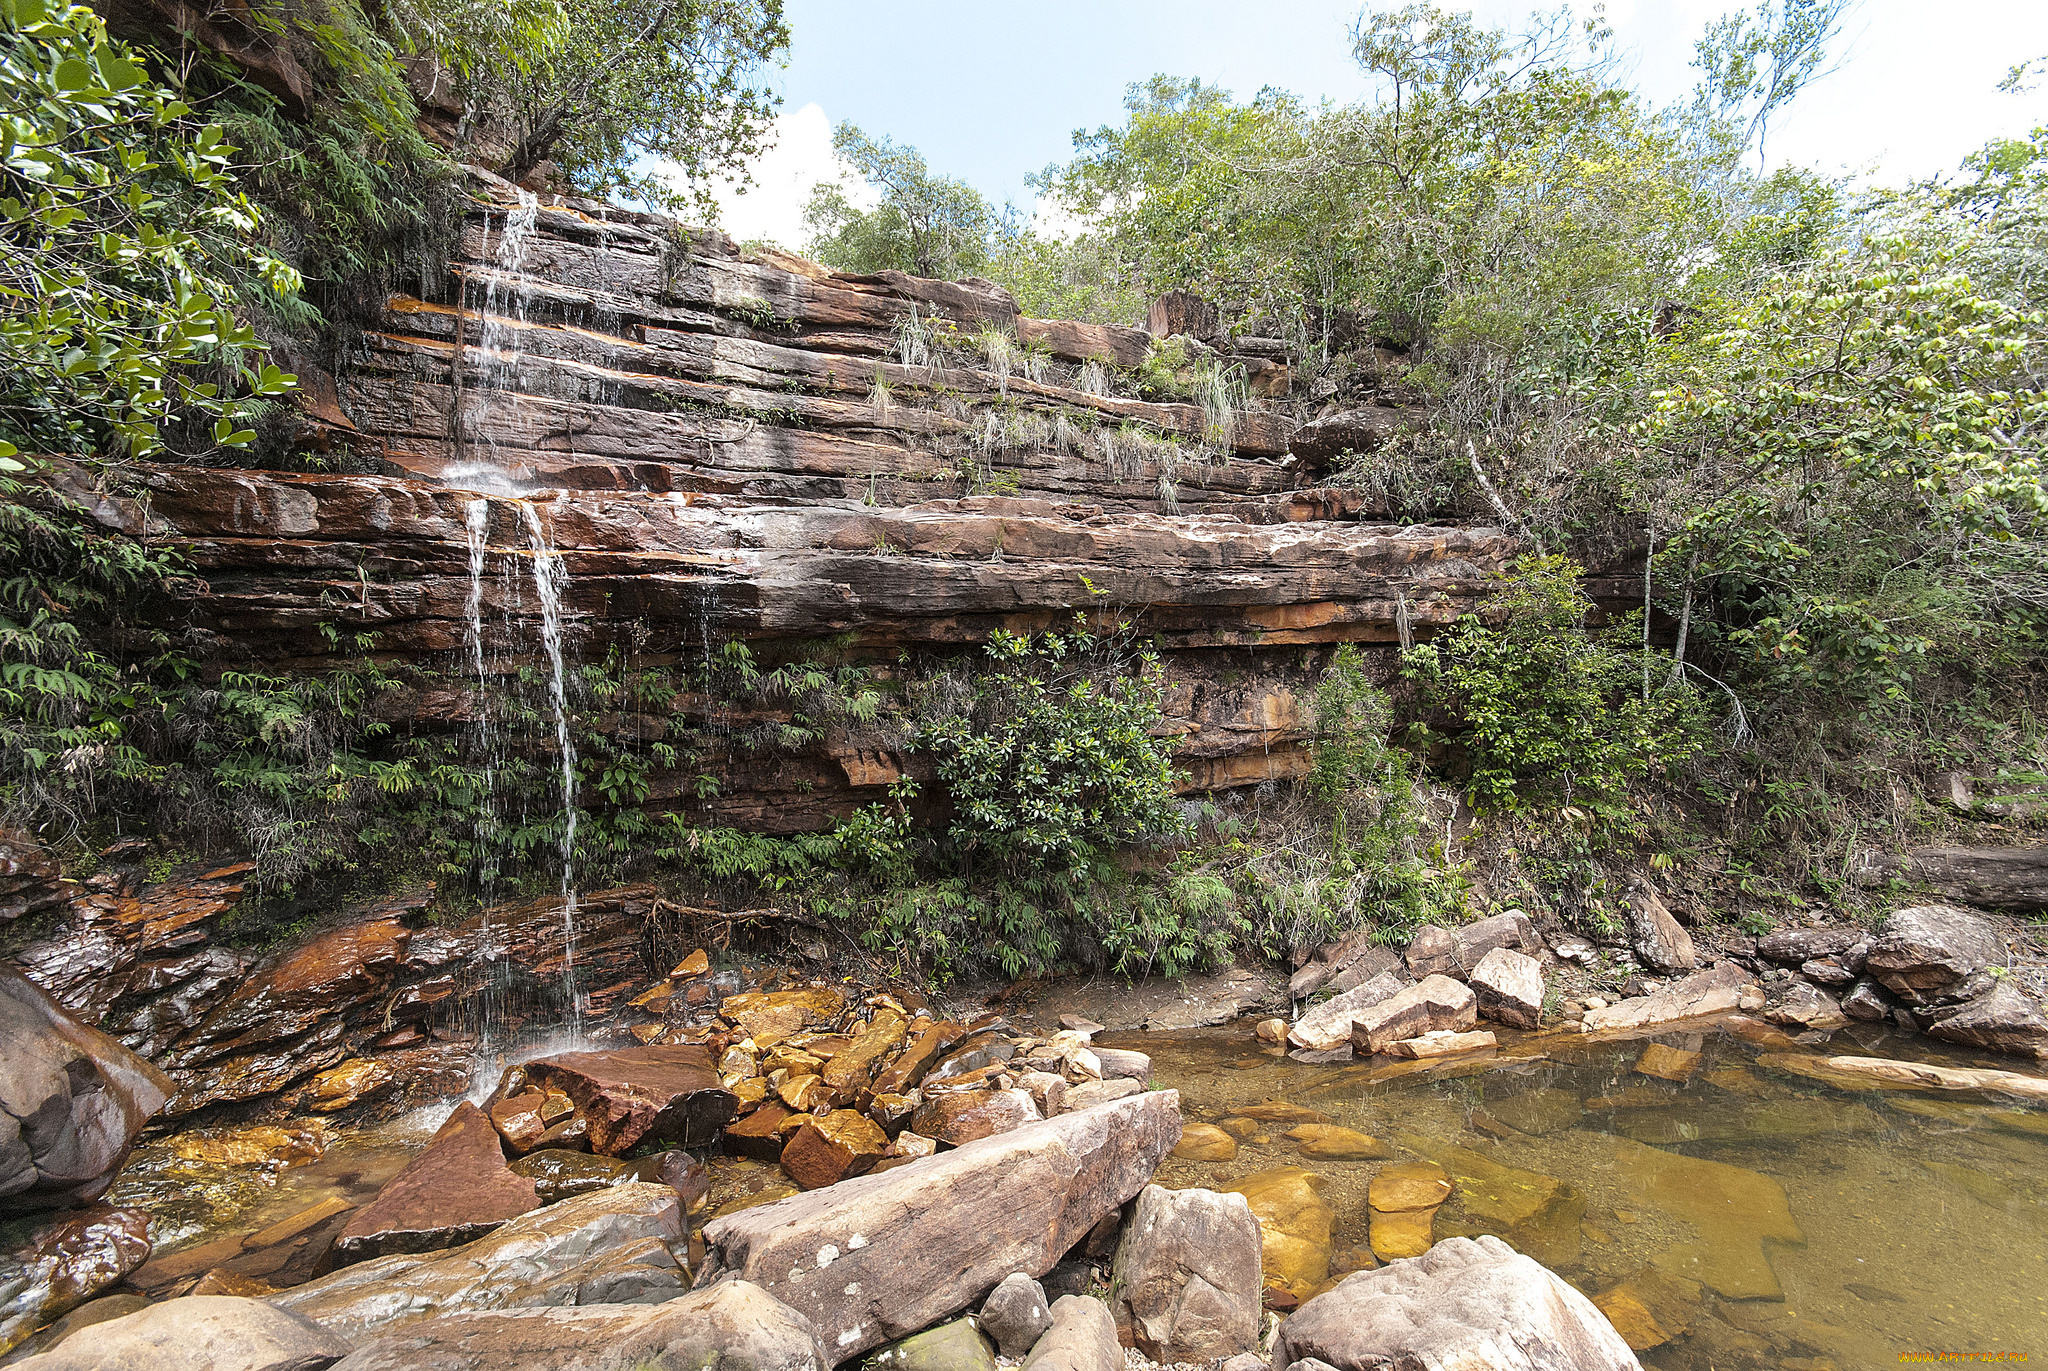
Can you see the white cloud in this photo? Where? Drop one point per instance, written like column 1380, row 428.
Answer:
column 799, row 157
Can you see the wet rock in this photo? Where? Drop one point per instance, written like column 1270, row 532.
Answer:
column 559, row 1175
column 71, row 1102
column 974, row 1054
column 1090, row 1093
column 760, row 1134
column 1935, row 954
column 2006, row 1020
column 1442, row 1043
column 1668, row 1063
column 1294, row 1226
column 84, row 1316
column 1333, row 1142
column 354, row 1081
column 768, row 1017
column 881, row 1256
column 1870, row 1073
column 1509, row 988
column 638, row 1094
column 1539, row 1214
column 853, row 1066
column 201, row 1333
column 65, row 1264
column 1464, row 1303
column 907, row 1071
column 1715, row 991
column 826, row 1151
column 733, row 1325
column 453, row 1192
column 316, row 980
column 270, row 1146
column 1328, row 1025
column 1432, row 1004
column 1272, row 1111
column 1735, row 1212
column 1082, row 1338
column 1800, row 1004
column 955, row 1346
column 611, row 1247
column 1016, row 1314
column 1402, row 1203
column 961, row 1116
column 1205, row 1142
column 1187, row 1275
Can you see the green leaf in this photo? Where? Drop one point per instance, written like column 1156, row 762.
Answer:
column 73, row 75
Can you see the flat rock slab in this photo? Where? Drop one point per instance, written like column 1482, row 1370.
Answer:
column 1464, row 1303
column 610, row 1247
column 638, row 1094
column 1715, row 991
column 1935, row 954
column 734, row 1325
column 455, row 1191
column 2006, row 1020
column 199, row 1333
column 881, row 1256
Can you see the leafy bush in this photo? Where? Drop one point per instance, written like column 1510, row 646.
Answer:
column 1545, row 711
column 1052, row 758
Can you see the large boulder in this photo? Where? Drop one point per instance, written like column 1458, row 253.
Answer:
column 454, row 1191
column 1434, row 1004
column 1016, row 1315
column 734, row 1325
column 1465, row 1303
column 637, row 1094
column 880, row 1256
column 1935, row 954
column 609, row 1247
column 65, row 1264
column 1186, row 1275
column 2006, row 1020
column 71, row 1101
column 198, row 1333
column 1509, row 988
column 1328, row 1026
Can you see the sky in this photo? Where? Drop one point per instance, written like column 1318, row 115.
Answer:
column 991, row 92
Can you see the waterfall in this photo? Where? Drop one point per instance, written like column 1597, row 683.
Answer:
column 501, row 319
column 550, row 579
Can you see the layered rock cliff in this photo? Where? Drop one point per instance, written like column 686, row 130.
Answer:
column 643, row 436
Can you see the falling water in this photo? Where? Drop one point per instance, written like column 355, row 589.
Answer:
column 550, row 579
column 500, row 337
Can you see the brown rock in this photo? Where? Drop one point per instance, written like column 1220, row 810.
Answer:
column 1294, row 1226
column 1202, row 1142
column 207, row 1333
column 1433, row 1004
column 523, row 1120
column 638, row 1094
column 1660, row 940
column 826, row 1151
column 696, row 964
column 352, row 1081
column 1331, row 1142
column 454, row 1192
column 759, row 1135
column 65, row 1264
column 1442, row 1044
column 1668, row 1063
column 962, row 1116
column 221, row 1281
column 770, row 1016
column 1509, row 988
column 1408, row 1186
column 257, row 1145
column 851, row 1067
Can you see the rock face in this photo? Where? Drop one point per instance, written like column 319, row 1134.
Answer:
column 71, row 1101
column 741, row 445
column 611, row 1247
column 198, row 1333
column 1464, row 1303
column 453, row 1192
column 1935, row 954
column 1187, row 1275
column 733, row 1325
column 637, row 1094
column 880, row 1256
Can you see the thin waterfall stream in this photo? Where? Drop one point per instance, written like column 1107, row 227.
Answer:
column 550, row 580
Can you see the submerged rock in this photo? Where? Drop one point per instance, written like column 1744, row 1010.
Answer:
column 1333, row 1142
column 1402, row 1202
column 878, row 1257
column 734, row 1325
column 198, row 1333
column 455, row 1191
column 71, row 1101
column 1187, row 1275
column 611, row 1247
column 1735, row 1212
column 1205, row 1142
column 1464, row 1303
column 1294, row 1226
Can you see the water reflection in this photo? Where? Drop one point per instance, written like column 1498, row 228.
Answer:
column 1733, row 1213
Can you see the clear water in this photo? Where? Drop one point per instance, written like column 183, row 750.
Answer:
column 1901, row 1221
column 550, row 583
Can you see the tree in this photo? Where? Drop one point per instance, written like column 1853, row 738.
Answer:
column 1753, row 64
column 622, row 80
column 926, row 224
